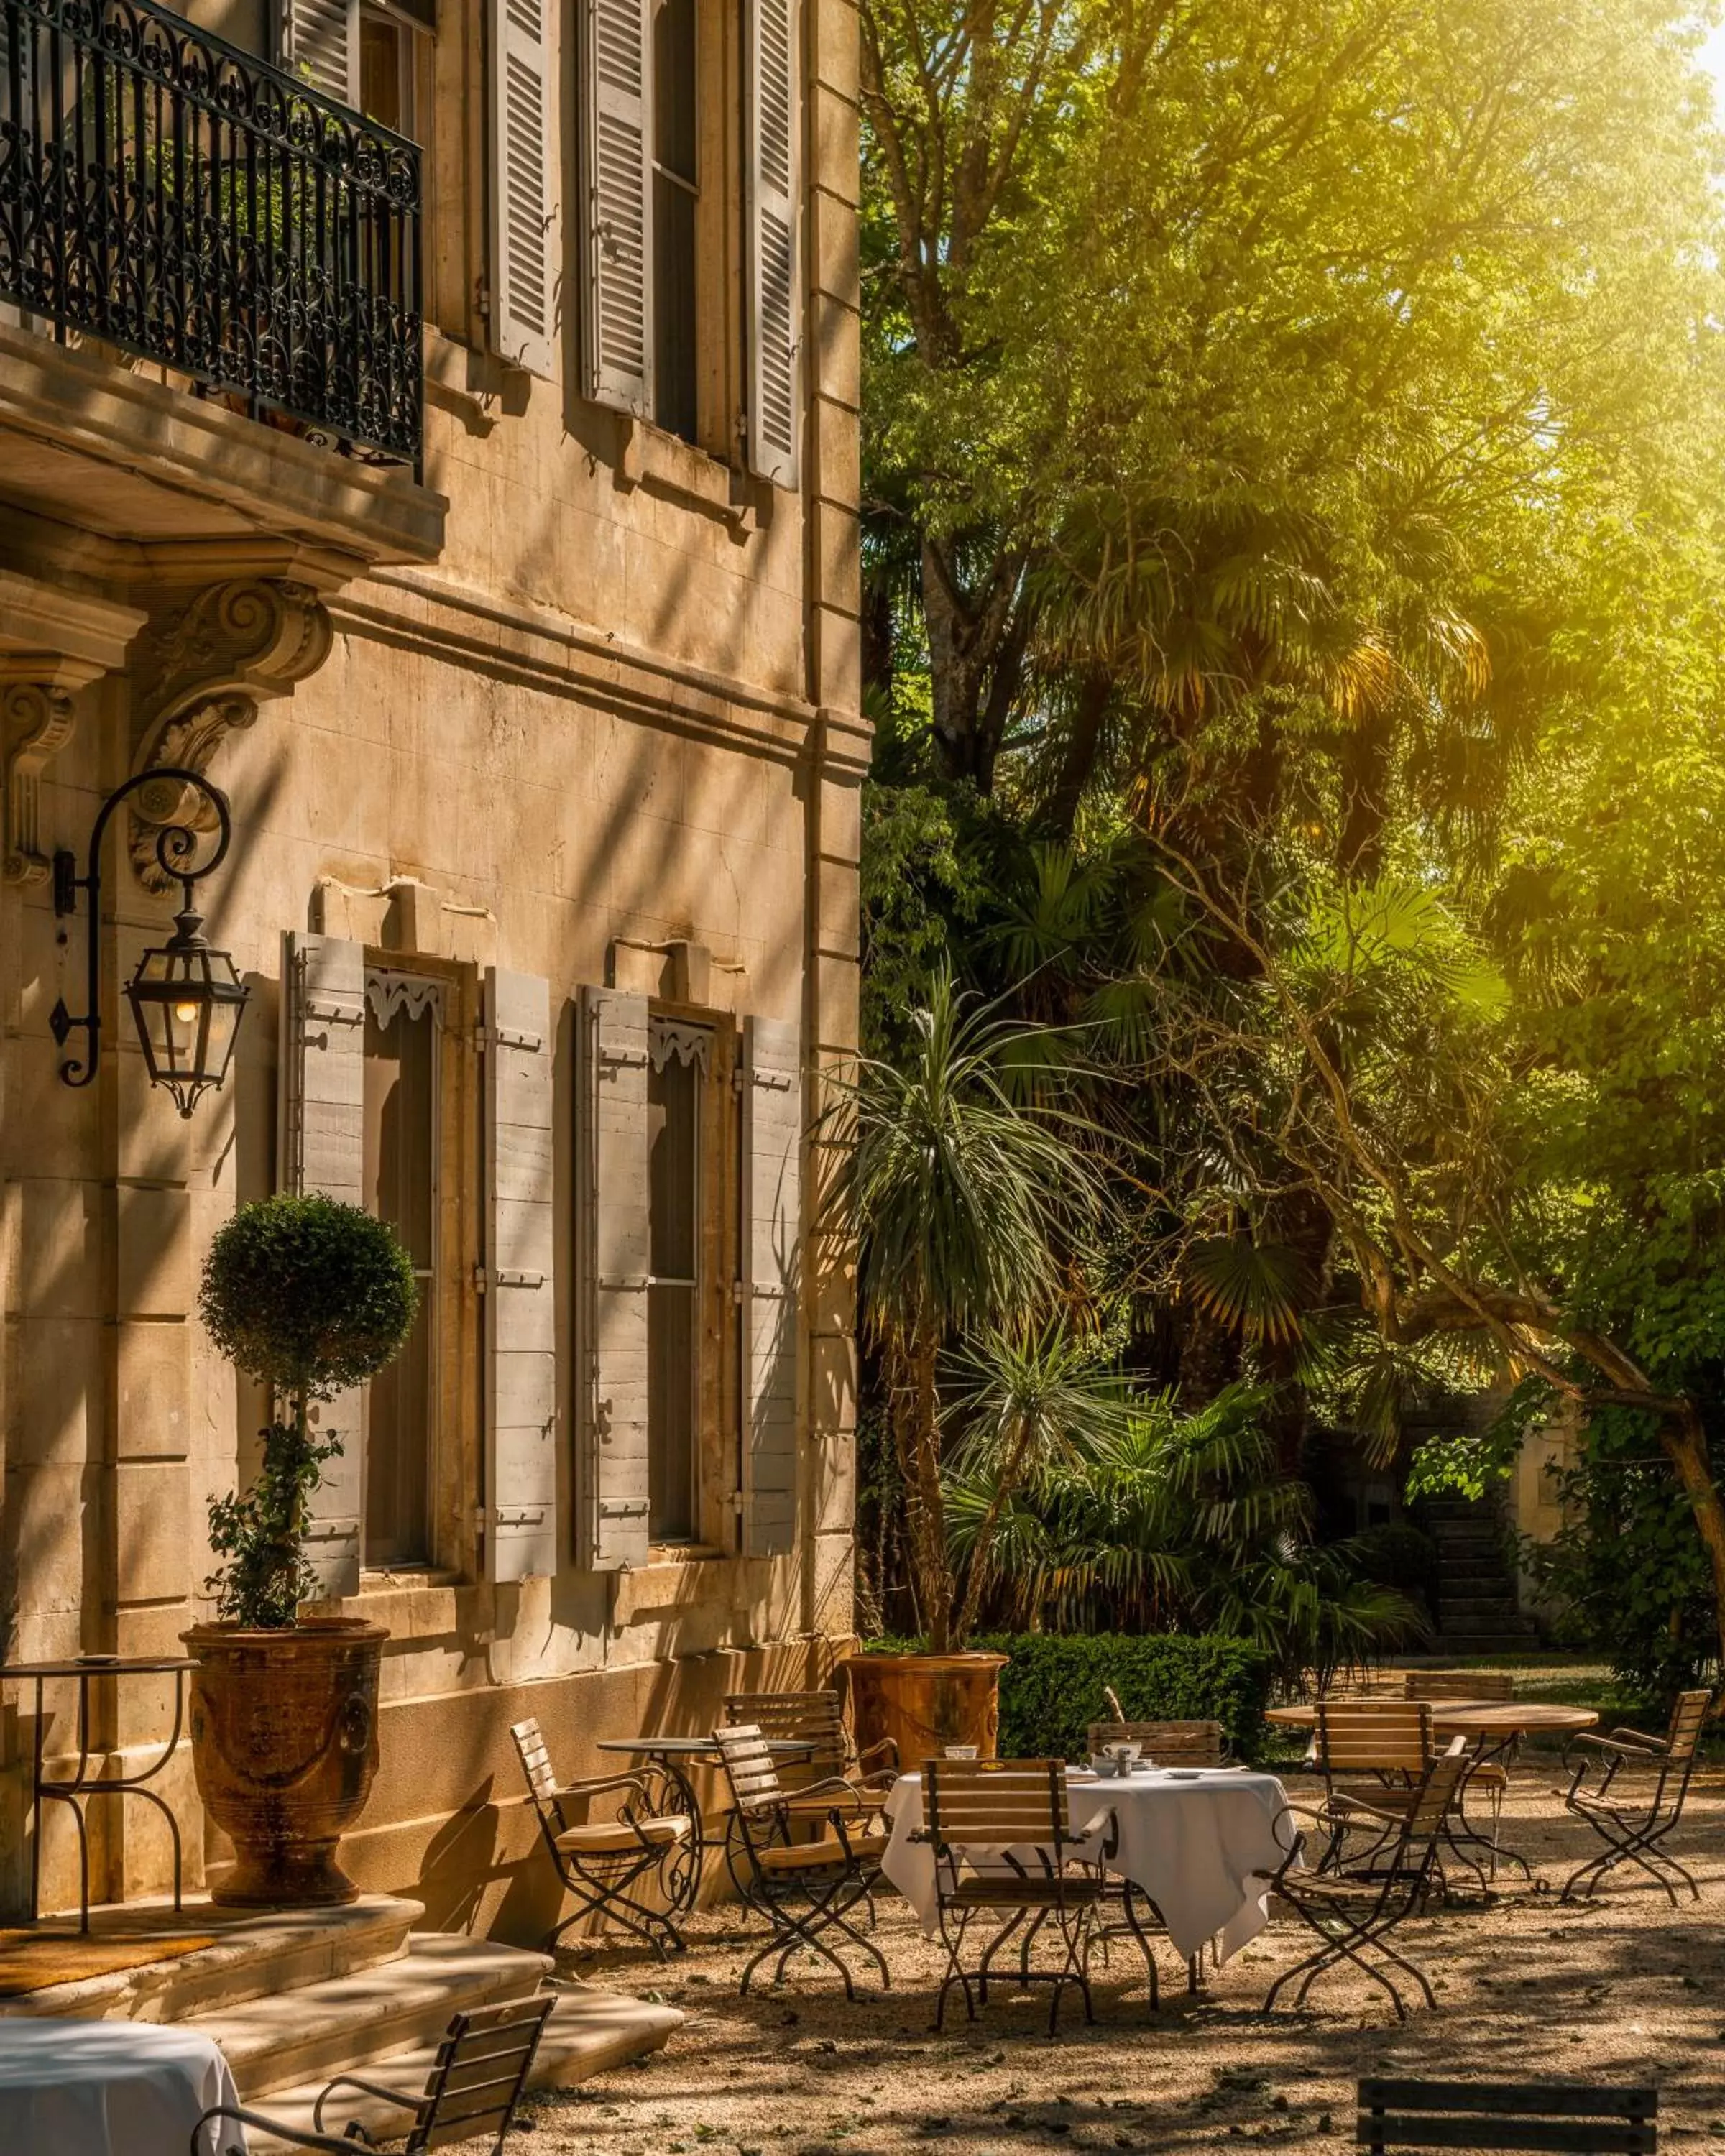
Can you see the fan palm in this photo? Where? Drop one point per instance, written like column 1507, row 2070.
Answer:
column 966, row 1205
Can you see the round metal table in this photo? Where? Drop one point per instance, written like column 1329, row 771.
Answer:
column 674, row 1756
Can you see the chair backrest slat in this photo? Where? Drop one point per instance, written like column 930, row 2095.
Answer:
column 1495, row 1685
column 1688, row 1718
column 534, row 1756
column 477, row 2078
column 1373, row 1736
column 749, row 1765
column 1558, row 2117
column 995, row 1800
column 1437, row 1792
column 1169, row 1743
column 813, row 1718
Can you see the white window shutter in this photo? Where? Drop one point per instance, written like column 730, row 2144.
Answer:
column 323, row 1011
column 772, row 222
column 613, row 1196
column 520, row 1323
column 771, row 1234
column 526, row 228
column 616, row 163
column 320, row 46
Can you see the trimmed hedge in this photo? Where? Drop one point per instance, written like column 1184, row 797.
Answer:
column 1051, row 1689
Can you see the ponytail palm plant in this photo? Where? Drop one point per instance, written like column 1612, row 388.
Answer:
column 968, row 1205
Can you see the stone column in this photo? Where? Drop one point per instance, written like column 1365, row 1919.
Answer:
column 839, row 765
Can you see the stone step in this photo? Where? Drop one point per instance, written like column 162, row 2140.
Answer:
column 317, row 2029
column 590, row 2032
column 254, row 1954
column 1477, row 1605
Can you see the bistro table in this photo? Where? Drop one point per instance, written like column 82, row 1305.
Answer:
column 84, row 1783
column 674, row 1756
column 1201, row 1842
column 110, row 2088
column 1496, row 1725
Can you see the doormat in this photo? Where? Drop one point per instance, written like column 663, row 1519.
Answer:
column 33, row 1960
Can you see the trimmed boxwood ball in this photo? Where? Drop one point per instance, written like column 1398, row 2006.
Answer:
column 312, row 1296
column 308, row 1294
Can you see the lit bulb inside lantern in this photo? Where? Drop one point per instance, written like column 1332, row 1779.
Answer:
column 186, row 1013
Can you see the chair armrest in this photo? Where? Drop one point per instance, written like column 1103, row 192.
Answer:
column 1632, row 1752
column 359, row 2138
column 1640, row 1736
column 370, row 2088
column 597, row 1785
column 885, row 1750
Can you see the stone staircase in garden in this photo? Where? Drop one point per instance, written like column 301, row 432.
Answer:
column 1478, row 1609
column 294, row 1997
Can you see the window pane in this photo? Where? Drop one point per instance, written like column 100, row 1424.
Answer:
column 670, row 1414
column 673, row 88
column 673, row 1199
column 675, row 187
column 386, row 60
column 674, row 383
column 673, row 1196
column 400, row 1187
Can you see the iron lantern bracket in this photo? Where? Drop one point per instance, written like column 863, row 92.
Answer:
column 176, row 844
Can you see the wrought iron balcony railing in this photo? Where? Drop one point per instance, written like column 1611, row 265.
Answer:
column 166, row 193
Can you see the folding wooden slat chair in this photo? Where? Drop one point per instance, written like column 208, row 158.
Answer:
column 806, row 1890
column 1354, row 1911
column 1012, row 1814
column 606, row 1864
column 1497, row 1686
column 1564, row 2117
column 1633, row 1819
column 816, row 1719
column 1490, row 1777
column 1169, row 1744
column 474, row 2087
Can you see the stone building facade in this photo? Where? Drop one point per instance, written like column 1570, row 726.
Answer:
column 525, row 652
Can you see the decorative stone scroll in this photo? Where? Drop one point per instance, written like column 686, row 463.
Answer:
column 209, row 665
column 668, row 1037
column 388, row 993
column 38, row 716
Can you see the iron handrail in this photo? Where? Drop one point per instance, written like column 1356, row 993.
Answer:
column 171, row 195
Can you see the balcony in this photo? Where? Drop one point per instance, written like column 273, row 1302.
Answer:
column 209, row 286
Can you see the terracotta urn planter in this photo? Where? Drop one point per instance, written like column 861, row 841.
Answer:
column 924, row 1703
column 285, row 1744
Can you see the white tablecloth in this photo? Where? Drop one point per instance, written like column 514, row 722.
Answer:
column 1195, row 1846
column 109, row 2088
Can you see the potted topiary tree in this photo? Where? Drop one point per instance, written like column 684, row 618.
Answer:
column 312, row 1296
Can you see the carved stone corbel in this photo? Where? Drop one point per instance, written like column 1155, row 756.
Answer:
column 36, row 716
column 208, row 666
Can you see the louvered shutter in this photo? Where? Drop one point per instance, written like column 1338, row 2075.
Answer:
column 615, row 1209
column 323, row 1149
column 772, row 1232
column 320, row 41
column 773, row 119
column 616, row 153
column 521, row 1325
column 524, row 179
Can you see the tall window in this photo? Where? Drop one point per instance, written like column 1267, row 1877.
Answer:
column 676, row 197
column 389, row 35
column 679, row 1055
column 400, row 1186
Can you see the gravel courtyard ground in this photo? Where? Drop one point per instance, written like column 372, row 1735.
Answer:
column 1624, row 1990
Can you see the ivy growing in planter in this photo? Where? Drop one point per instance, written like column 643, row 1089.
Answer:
column 312, row 1296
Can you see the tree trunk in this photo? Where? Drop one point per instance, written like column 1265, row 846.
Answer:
column 1686, row 1445
column 1078, row 759
column 915, row 1424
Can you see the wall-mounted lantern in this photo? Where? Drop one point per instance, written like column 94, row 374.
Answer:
column 186, row 997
